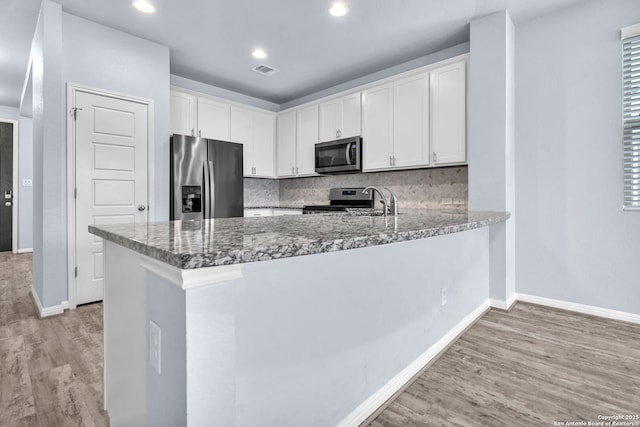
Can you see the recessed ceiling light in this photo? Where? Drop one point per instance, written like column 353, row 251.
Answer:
column 259, row 53
column 144, row 6
column 338, row 9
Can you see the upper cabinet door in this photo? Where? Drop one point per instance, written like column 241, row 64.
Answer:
column 340, row 118
column 286, row 131
column 377, row 127
column 242, row 132
column 264, row 129
column 307, row 140
column 183, row 113
column 448, row 114
column 213, row 119
column 411, row 121
column 328, row 121
column 349, row 115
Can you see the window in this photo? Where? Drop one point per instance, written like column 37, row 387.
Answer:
column 631, row 116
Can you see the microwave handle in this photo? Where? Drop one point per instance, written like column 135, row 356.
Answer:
column 348, row 152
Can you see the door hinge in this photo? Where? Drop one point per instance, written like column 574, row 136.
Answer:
column 74, row 112
column 76, row 271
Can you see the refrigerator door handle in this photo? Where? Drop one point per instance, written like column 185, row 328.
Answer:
column 211, row 189
column 207, row 190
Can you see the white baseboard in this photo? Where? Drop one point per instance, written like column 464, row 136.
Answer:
column 503, row 305
column 369, row 406
column 48, row 311
column 581, row 308
column 25, row 250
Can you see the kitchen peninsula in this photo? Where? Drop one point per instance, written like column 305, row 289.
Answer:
column 293, row 320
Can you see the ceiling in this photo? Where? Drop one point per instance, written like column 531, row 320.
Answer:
column 211, row 40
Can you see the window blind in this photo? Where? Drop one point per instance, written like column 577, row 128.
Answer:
column 631, row 121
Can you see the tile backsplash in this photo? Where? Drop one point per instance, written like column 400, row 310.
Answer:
column 419, row 188
column 260, row 192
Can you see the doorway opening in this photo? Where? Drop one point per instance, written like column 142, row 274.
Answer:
column 8, row 185
column 109, row 152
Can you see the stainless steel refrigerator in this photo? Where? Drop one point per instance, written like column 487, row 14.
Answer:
column 206, row 178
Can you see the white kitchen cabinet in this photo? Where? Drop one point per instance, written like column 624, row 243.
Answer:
column 183, row 113
column 258, row 212
column 285, row 212
column 395, row 124
column 377, row 127
column 286, row 131
column 199, row 116
column 213, row 119
column 254, row 213
column 264, row 144
column 411, row 121
column 255, row 131
column 448, row 114
column 307, row 125
column 340, row 118
column 297, row 132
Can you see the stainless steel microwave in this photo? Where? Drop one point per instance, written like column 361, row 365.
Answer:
column 340, row 156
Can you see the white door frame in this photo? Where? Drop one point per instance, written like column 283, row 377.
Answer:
column 14, row 207
column 72, row 88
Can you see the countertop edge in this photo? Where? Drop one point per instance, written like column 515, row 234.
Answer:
column 273, row 252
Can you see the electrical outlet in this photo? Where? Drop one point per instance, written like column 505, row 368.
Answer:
column 155, row 346
column 27, row 183
column 443, row 295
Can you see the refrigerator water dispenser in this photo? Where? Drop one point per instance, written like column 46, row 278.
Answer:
column 191, row 198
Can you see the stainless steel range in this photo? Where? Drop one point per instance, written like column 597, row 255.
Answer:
column 342, row 199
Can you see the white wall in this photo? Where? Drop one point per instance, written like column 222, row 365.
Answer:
column 104, row 58
column 10, row 113
column 49, row 160
column 222, row 93
column 25, row 195
column 490, row 135
column 283, row 347
column 70, row 49
column 381, row 74
column 574, row 241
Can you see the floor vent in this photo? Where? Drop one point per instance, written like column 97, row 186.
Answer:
column 265, row 69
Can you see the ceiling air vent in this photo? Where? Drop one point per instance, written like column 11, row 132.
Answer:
column 265, row 69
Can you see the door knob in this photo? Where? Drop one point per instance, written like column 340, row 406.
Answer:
column 141, row 207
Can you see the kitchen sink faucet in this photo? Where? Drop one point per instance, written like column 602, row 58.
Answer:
column 389, row 207
column 393, row 202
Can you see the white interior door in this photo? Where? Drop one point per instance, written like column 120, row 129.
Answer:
column 111, row 178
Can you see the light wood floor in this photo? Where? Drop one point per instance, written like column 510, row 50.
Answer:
column 50, row 369
column 529, row 367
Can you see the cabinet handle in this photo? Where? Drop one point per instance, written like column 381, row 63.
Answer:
column 390, row 161
column 293, row 170
column 296, row 170
column 435, row 157
column 394, row 160
column 192, row 132
column 199, row 133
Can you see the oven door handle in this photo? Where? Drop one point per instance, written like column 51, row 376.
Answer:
column 347, row 152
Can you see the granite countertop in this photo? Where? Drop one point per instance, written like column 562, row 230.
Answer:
column 209, row 243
